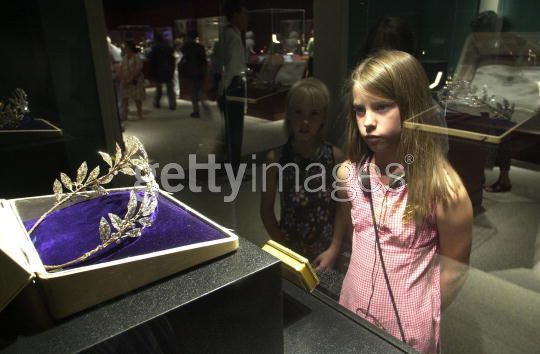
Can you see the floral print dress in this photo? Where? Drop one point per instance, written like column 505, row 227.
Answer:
column 307, row 209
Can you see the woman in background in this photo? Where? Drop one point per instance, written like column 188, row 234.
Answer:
column 131, row 80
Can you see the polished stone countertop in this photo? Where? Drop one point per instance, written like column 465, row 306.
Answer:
column 107, row 320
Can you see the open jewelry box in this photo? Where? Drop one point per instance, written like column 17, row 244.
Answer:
column 179, row 238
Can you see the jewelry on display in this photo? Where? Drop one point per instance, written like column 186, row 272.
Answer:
column 12, row 112
column 465, row 92
column 87, row 185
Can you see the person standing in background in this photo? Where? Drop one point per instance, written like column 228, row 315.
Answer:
column 310, row 50
column 178, row 44
column 291, row 44
column 390, row 33
column 216, row 69
column 131, row 80
column 192, row 69
column 162, row 70
column 233, row 80
column 115, row 53
column 250, row 45
column 115, row 56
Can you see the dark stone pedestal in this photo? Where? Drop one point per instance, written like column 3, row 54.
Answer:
column 229, row 305
column 235, row 304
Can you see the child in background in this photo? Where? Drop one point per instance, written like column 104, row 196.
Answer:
column 307, row 219
column 407, row 205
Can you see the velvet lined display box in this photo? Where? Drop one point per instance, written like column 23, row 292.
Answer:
column 179, row 238
column 32, row 130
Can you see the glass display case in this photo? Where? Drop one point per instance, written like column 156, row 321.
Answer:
column 207, row 28
column 481, row 59
column 491, row 102
column 60, row 73
column 276, row 46
column 278, row 30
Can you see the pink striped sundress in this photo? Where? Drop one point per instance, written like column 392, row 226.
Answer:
column 410, row 254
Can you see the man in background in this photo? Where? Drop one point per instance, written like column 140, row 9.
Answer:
column 162, row 70
column 178, row 44
column 233, row 79
column 192, row 69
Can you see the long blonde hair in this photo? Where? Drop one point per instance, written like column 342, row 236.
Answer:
column 399, row 77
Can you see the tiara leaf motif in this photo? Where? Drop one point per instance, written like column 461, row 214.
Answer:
column 138, row 215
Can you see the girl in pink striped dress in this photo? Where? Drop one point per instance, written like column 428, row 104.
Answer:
column 412, row 239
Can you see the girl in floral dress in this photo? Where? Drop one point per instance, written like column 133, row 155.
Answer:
column 411, row 216
column 301, row 170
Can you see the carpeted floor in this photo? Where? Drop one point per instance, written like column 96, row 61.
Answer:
column 504, row 235
column 170, row 136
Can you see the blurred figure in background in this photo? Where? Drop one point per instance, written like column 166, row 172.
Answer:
column 162, row 70
column 291, row 44
column 115, row 53
column 233, row 80
column 216, row 69
column 310, row 50
column 250, row 44
column 390, row 33
column 115, row 57
column 192, row 69
column 178, row 44
column 131, row 80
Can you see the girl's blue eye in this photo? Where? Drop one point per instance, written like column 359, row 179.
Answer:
column 359, row 110
column 383, row 107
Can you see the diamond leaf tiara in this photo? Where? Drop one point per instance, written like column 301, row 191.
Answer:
column 87, row 185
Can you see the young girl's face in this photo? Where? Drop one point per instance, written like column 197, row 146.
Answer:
column 378, row 120
column 306, row 120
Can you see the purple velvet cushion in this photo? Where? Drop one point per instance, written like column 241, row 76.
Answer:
column 70, row 232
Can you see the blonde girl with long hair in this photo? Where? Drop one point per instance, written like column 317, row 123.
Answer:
column 411, row 216
column 303, row 169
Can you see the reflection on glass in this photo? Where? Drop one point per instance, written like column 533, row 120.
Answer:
column 484, row 76
column 302, row 173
